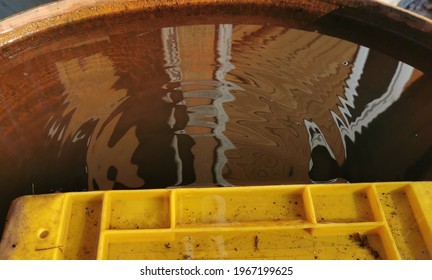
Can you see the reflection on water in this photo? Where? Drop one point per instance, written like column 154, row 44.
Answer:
column 209, row 105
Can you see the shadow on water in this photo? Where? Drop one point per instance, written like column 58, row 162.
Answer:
column 208, row 105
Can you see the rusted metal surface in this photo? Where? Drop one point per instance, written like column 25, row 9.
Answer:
column 63, row 12
column 365, row 22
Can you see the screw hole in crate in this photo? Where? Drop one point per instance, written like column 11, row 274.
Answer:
column 43, row 234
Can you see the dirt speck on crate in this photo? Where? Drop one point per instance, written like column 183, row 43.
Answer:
column 256, row 241
column 363, row 242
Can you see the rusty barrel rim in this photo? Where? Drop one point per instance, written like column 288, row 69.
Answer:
column 386, row 28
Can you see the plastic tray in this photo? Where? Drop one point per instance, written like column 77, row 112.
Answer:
column 350, row 221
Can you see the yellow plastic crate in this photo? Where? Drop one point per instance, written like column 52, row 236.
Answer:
column 350, row 221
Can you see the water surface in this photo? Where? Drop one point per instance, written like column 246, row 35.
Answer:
column 208, row 105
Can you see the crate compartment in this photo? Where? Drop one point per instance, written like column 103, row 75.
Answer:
column 349, row 204
column 240, row 206
column 302, row 244
column 84, row 226
column 353, row 242
column 353, row 246
column 420, row 195
column 137, row 210
column 402, row 222
column 238, row 244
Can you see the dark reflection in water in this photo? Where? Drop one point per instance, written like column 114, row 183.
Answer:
column 209, row 105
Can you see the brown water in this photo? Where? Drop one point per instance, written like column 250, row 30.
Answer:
column 208, row 105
